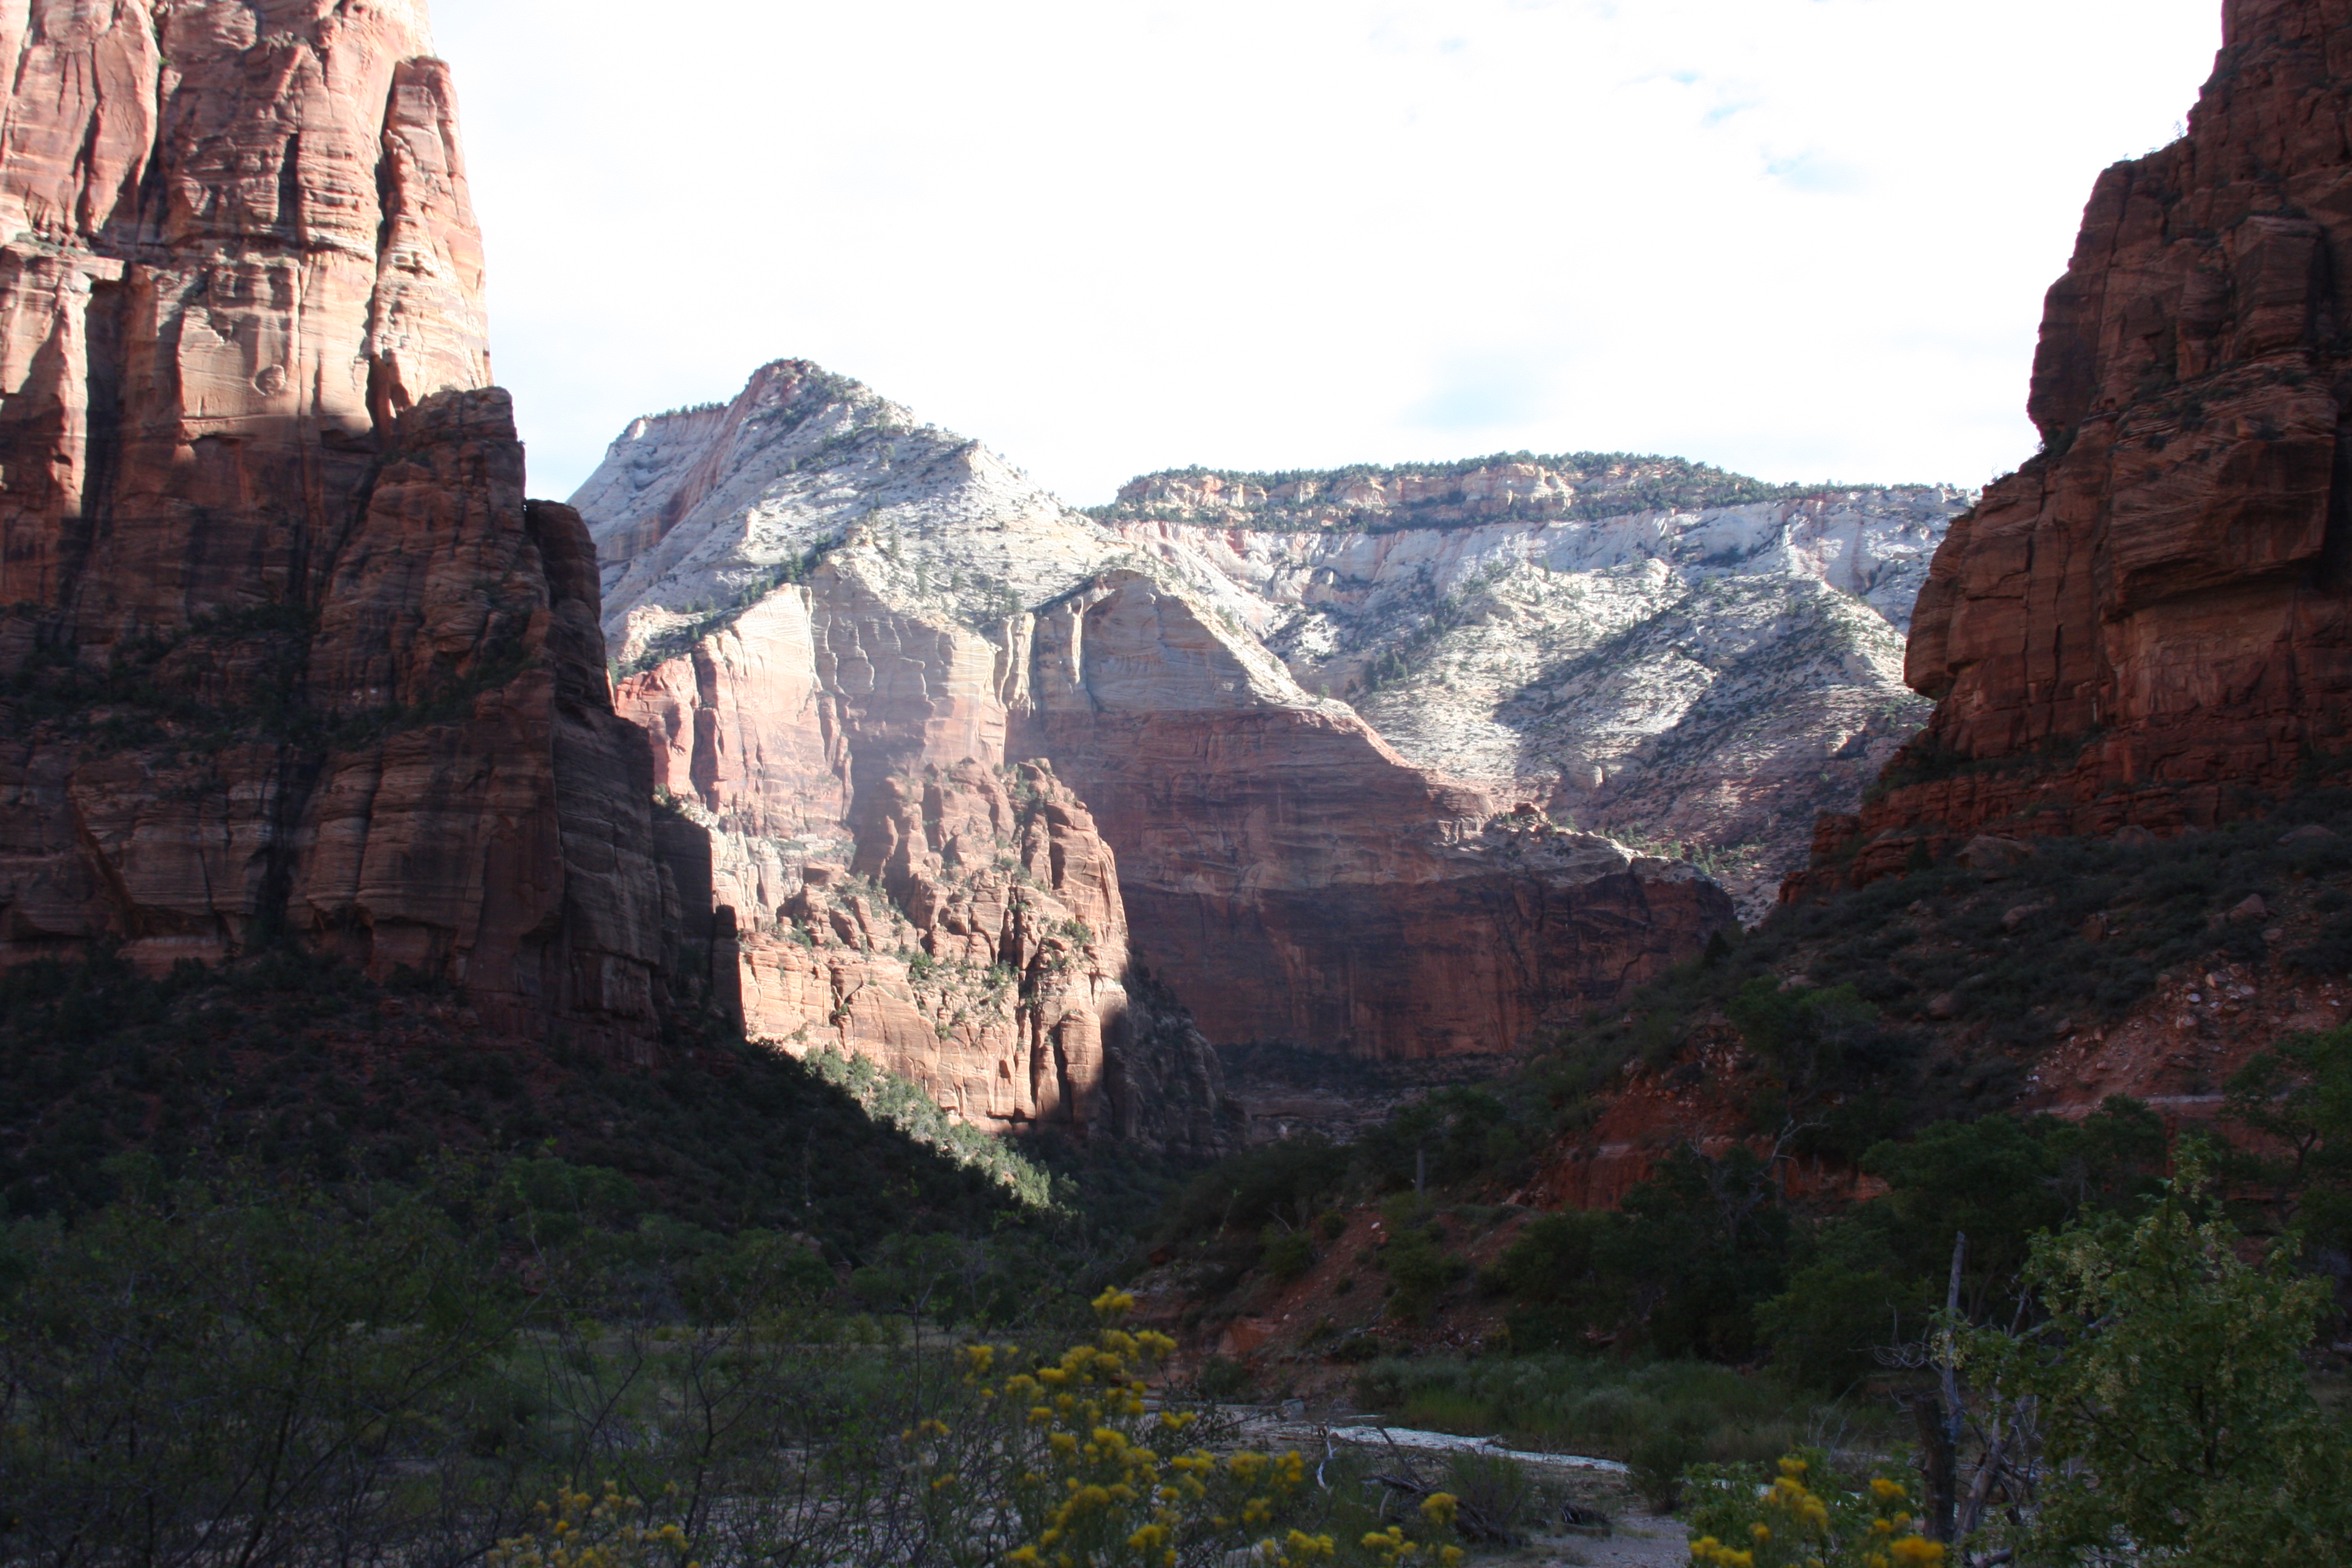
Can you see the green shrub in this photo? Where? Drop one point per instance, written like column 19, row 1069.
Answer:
column 1419, row 1267
column 905, row 1105
column 1821, row 1328
column 1655, row 1465
column 2296, row 1099
column 1223, row 1377
column 1286, row 1254
column 1496, row 1491
column 2175, row 1408
column 208, row 1366
column 1245, row 1189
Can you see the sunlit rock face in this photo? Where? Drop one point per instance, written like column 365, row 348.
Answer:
column 289, row 652
column 816, row 601
column 2150, row 622
column 1680, row 657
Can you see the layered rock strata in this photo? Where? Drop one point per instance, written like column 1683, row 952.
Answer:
column 2147, row 622
column 288, row 651
column 976, row 944
column 1706, row 679
column 1305, row 882
column 812, row 597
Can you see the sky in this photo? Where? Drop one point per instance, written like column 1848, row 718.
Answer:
column 1804, row 239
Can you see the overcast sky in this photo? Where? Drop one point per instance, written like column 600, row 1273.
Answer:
column 1800, row 238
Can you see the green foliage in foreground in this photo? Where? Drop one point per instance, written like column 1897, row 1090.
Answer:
column 282, row 1375
column 277, row 1371
column 2168, row 1393
column 1809, row 1517
column 2295, row 1099
column 228, row 1368
column 2144, row 1398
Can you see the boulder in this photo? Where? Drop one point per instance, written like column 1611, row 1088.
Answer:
column 1990, row 852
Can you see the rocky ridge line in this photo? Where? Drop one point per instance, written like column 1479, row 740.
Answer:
column 1505, row 487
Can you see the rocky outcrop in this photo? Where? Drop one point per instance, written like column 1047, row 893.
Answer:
column 289, row 652
column 813, row 600
column 976, row 944
column 1703, row 681
column 2150, row 622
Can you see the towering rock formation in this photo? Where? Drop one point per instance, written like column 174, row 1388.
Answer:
column 286, row 649
column 823, row 612
column 2150, row 622
column 1659, row 650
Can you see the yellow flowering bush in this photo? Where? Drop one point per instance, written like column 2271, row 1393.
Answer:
column 583, row 1530
column 1800, row 1523
column 1062, row 1464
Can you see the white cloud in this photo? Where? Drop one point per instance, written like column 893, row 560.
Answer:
column 1797, row 237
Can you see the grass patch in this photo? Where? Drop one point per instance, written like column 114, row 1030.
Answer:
column 1610, row 1409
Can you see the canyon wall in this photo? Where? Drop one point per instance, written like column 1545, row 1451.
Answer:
column 1306, row 883
column 287, row 652
column 818, row 603
column 1646, row 647
column 2147, row 623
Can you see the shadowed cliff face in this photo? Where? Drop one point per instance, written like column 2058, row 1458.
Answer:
column 2147, row 623
column 288, row 652
column 818, row 605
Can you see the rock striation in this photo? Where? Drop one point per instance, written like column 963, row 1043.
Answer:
column 2147, row 623
column 288, row 652
column 1304, row 882
column 818, row 603
column 1625, row 640
column 976, row 944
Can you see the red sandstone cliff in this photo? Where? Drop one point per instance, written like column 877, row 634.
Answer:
column 2151, row 621
column 820, row 605
column 1305, row 882
column 287, row 648
column 977, row 945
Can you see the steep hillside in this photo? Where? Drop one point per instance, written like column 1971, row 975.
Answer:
column 1667, row 653
column 285, row 651
column 818, row 605
column 1963, row 1029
